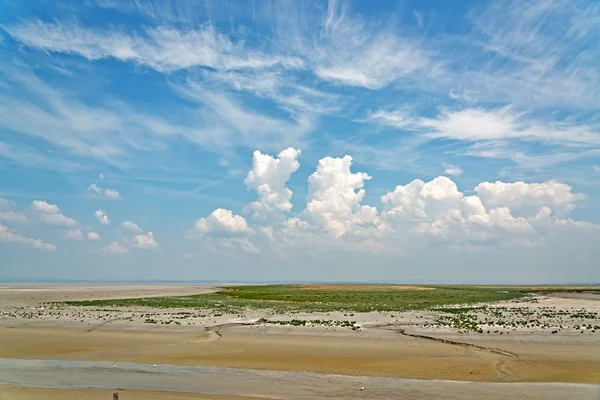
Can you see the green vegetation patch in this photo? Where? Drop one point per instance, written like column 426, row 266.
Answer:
column 295, row 298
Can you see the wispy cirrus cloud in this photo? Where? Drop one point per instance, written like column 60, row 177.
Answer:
column 531, row 54
column 227, row 121
column 453, row 170
column 162, row 48
column 479, row 124
column 502, row 133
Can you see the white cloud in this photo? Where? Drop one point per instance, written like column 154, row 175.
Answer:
column 13, row 217
column 131, row 227
column 416, row 215
column 529, row 196
column 114, row 248
column 280, row 88
column 9, row 214
column 51, row 214
column 480, row 124
column 163, row 49
column 419, row 200
column 268, row 177
column 226, row 122
column 439, row 209
column 346, row 49
column 106, row 132
column 239, row 243
column 220, row 221
column 453, row 170
column 93, row 236
column 333, row 201
column 7, row 204
column 537, row 53
column 107, row 193
column 102, row 217
column 8, row 235
column 145, row 241
column 44, row 207
column 28, row 156
column 531, row 142
column 75, row 234
column 476, row 217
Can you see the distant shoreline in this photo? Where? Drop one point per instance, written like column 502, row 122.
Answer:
column 274, row 282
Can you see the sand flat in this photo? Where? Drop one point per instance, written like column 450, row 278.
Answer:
column 211, row 381
column 399, row 357
column 28, row 294
column 9, row 392
column 439, row 359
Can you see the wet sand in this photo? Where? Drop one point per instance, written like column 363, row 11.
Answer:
column 371, row 354
column 399, row 346
column 8, row 392
column 269, row 384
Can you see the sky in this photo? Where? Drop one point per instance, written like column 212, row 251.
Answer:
column 406, row 141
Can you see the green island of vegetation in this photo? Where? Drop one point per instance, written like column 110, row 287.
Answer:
column 326, row 298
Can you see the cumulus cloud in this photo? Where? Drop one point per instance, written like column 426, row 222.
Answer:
column 8, row 235
column 418, row 213
column 518, row 212
column 51, row 214
column 529, row 196
column 333, row 200
column 422, row 207
column 8, row 212
column 145, row 241
column 102, row 217
column 105, row 193
column 220, row 221
column 114, row 248
column 131, row 227
column 268, row 177
column 13, row 217
column 75, row 234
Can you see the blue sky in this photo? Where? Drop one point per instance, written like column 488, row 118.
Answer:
column 351, row 141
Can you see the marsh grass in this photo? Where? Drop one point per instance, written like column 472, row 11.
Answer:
column 293, row 298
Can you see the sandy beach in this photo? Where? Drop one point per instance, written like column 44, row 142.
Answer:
column 396, row 346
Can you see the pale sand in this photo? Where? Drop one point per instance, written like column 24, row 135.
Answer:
column 27, row 294
column 536, row 360
column 379, row 349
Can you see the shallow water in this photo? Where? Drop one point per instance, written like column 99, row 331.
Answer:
column 275, row 384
